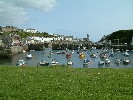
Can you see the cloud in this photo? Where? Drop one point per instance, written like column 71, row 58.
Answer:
column 44, row 5
column 15, row 11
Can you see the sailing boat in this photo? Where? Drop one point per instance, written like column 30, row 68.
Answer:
column 112, row 53
column 126, row 61
column 43, row 63
column 126, row 53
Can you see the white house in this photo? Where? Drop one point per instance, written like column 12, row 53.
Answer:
column 34, row 40
column 42, row 39
column 62, row 38
column 30, row 30
column 68, row 38
column 58, row 37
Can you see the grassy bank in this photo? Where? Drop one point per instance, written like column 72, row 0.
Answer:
column 63, row 83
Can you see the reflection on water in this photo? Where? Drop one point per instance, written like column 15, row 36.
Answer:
column 5, row 60
column 49, row 55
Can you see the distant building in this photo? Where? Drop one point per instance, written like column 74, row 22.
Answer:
column 85, row 39
column 37, row 40
column 62, row 38
column 88, row 37
column 30, row 30
column 8, row 29
column 68, row 38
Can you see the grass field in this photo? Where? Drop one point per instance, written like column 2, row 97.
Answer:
column 65, row 83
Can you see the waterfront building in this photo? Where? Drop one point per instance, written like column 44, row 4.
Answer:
column 37, row 40
column 62, row 38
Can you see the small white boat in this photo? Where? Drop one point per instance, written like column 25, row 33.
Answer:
column 117, row 61
column 28, row 56
column 107, row 61
column 112, row 53
column 117, row 50
column 126, row 61
column 84, row 49
column 61, row 52
column 21, row 62
column 93, row 55
column 69, row 62
column 103, row 55
column 72, row 52
column 44, row 63
column 32, row 50
column 126, row 54
column 54, row 62
column 51, row 52
column 127, row 50
column 93, row 48
column 100, row 63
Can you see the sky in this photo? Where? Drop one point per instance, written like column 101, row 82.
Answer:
column 75, row 18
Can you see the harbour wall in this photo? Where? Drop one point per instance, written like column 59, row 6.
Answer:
column 41, row 46
column 88, row 47
column 13, row 50
column 73, row 46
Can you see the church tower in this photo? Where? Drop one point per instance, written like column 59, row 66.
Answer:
column 87, row 37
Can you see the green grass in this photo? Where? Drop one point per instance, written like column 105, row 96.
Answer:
column 64, row 83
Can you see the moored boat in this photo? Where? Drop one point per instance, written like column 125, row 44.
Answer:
column 61, row 52
column 51, row 52
column 69, row 62
column 81, row 55
column 107, row 61
column 54, row 62
column 68, row 55
column 112, row 53
column 126, row 61
column 103, row 55
column 21, row 62
column 126, row 54
column 29, row 56
column 72, row 52
column 44, row 63
column 117, row 61
column 78, row 52
column 100, row 63
column 93, row 55
column 86, row 62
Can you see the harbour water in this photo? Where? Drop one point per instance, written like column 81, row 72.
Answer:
column 61, row 58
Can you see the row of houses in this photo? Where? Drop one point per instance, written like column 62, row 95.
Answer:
column 14, row 39
column 35, row 40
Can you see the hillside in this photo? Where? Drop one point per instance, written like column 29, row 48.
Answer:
column 26, row 34
column 124, row 36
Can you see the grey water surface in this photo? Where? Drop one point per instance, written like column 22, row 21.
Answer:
column 61, row 58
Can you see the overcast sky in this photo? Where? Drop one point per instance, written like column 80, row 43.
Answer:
column 69, row 17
